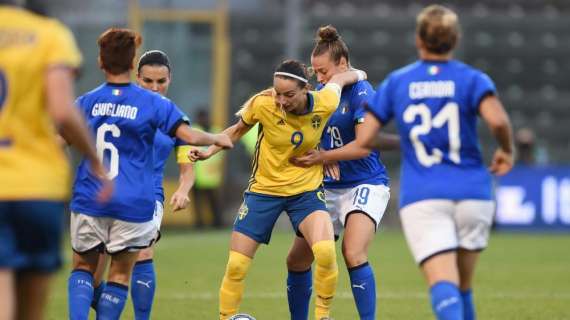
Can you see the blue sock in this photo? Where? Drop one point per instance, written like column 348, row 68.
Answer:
column 79, row 294
column 97, row 294
column 446, row 301
column 112, row 301
column 468, row 305
column 143, row 285
column 299, row 289
column 364, row 290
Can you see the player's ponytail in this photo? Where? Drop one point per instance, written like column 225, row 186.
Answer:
column 329, row 40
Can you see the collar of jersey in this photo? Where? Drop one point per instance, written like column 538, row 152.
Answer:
column 118, row 84
column 311, row 104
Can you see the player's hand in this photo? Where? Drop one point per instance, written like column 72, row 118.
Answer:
column 198, row 154
column 310, row 158
column 332, row 169
column 502, row 162
column 179, row 201
column 224, row 141
column 107, row 186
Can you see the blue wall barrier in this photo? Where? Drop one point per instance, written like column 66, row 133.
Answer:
column 534, row 198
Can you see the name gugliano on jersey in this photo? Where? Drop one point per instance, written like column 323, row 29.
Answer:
column 114, row 110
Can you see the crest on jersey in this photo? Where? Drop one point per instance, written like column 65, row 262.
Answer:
column 316, row 121
column 281, row 122
column 242, row 212
column 116, row 92
column 321, row 196
column 433, row 70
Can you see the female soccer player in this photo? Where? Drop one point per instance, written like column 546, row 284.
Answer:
column 445, row 199
column 154, row 73
column 361, row 194
column 125, row 119
column 291, row 120
column 38, row 56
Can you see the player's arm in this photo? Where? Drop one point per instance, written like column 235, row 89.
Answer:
column 348, row 77
column 180, row 197
column 350, row 151
column 200, row 138
column 494, row 114
column 235, row 132
column 61, row 108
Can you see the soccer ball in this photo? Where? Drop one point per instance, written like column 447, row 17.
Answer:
column 241, row 316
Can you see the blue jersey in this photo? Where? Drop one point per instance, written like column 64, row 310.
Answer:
column 124, row 119
column 340, row 130
column 436, row 105
column 163, row 145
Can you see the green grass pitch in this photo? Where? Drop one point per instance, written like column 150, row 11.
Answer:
column 520, row 276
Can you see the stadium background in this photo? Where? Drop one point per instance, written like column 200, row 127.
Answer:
column 224, row 51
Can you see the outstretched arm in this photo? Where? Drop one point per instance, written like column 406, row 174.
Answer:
column 234, row 133
column 494, row 114
column 180, row 198
column 201, row 138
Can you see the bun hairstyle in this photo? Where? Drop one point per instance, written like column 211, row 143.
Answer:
column 438, row 29
column 117, row 48
column 293, row 70
column 329, row 40
column 153, row 58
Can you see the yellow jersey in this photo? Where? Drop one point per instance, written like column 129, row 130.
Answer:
column 283, row 135
column 32, row 163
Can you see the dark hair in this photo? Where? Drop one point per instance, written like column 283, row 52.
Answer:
column 294, row 67
column 328, row 40
column 153, row 58
column 117, row 48
column 438, row 29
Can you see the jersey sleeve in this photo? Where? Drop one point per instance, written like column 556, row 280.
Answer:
column 61, row 48
column 182, row 153
column 482, row 86
column 360, row 96
column 168, row 116
column 380, row 105
column 328, row 97
column 247, row 112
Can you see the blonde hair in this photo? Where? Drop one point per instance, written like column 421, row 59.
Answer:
column 438, row 29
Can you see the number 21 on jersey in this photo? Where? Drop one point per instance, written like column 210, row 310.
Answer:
column 448, row 114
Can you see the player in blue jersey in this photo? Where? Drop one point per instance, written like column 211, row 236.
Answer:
column 357, row 200
column 445, row 198
column 124, row 118
column 154, row 73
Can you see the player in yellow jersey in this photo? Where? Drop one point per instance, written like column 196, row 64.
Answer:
column 291, row 120
column 37, row 58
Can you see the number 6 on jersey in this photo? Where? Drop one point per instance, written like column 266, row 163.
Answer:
column 103, row 145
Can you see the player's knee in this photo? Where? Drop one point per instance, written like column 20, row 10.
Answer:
column 238, row 265
column 354, row 256
column 325, row 254
column 299, row 262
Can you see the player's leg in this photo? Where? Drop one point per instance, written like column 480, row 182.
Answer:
column 299, row 278
column 311, row 220
column 87, row 238
column 474, row 219
column 143, row 280
column 253, row 225
column 359, row 233
column 430, row 231
column 143, row 284
column 98, row 279
column 114, row 296
column 362, row 210
column 39, row 228
column 7, row 296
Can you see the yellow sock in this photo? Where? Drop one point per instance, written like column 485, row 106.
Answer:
column 231, row 290
column 326, row 276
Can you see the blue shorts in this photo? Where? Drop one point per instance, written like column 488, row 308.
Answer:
column 30, row 235
column 259, row 212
